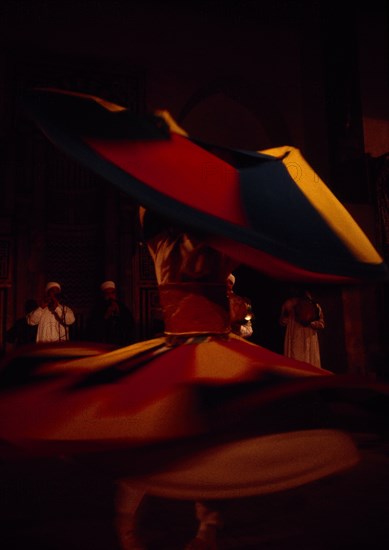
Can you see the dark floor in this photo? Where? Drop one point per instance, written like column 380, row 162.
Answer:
column 56, row 505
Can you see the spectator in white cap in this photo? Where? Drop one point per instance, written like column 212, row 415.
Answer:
column 52, row 317
column 110, row 321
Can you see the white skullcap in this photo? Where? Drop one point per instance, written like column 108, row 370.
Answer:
column 231, row 278
column 52, row 284
column 107, row 284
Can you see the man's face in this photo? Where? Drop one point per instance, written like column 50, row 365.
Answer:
column 230, row 284
column 53, row 292
column 109, row 294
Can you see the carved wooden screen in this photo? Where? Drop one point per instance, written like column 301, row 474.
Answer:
column 5, row 283
column 72, row 226
column 151, row 322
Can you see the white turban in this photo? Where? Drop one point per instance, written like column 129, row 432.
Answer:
column 52, row 284
column 231, row 278
column 107, row 284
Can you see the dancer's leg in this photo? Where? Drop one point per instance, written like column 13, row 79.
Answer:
column 209, row 524
column 127, row 502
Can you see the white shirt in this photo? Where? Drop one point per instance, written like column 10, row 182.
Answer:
column 51, row 327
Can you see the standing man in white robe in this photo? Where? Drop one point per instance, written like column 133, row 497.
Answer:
column 52, row 317
column 303, row 317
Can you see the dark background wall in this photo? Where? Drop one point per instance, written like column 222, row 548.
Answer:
column 240, row 73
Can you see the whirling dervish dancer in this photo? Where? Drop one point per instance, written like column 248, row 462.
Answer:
column 186, row 415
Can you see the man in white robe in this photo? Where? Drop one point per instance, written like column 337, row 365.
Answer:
column 301, row 336
column 52, row 317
